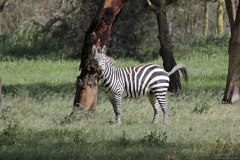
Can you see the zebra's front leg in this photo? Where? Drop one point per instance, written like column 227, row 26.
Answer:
column 116, row 103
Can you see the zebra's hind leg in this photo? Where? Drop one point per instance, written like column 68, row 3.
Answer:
column 162, row 102
column 165, row 113
column 156, row 107
column 164, row 107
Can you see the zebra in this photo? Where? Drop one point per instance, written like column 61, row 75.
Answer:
column 144, row 80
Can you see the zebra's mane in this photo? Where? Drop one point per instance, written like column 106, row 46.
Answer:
column 110, row 61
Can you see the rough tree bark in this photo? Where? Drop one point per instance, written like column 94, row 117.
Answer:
column 166, row 50
column 98, row 34
column 232, row 90
column 0, row 95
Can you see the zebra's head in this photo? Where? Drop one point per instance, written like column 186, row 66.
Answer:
column 100, row 57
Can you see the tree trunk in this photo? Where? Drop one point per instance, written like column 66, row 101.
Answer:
column 220, row 12
column 98, row 34
column 0, row 95
column 232, row 90
column 206, row 17
column 166, row 51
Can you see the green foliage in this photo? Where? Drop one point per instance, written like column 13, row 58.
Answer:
column 212, row 40
column 29, row 45
column 35, row 45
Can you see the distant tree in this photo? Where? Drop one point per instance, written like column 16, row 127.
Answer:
column 232, row 90
column 220, row 13
column 206, row 17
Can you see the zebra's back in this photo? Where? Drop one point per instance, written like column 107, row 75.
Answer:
column 141, row 80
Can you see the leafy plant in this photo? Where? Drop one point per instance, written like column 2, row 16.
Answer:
column 202, row 106
column 155, row 138
column 76, row 115
column 9, row 135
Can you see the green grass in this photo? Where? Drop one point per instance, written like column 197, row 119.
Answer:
column 38, row 97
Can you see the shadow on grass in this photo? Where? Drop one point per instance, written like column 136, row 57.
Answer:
column 65, row 144
column 39, row 90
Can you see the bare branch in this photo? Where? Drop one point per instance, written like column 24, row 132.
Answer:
column 237, row 20
column 55, row 18
column 153, row 6
column 2, row 5
column 47, row 22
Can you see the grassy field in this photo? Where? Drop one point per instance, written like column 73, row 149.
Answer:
column 38, row 97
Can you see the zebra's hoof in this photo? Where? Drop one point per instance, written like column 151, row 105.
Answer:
column 166, row 122
column 119, row 121
column 115, row 121
column 155, row 121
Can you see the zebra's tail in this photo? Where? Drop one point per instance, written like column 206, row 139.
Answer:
column 183, row 70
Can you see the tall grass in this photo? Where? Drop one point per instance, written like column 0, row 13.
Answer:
column 35, row 122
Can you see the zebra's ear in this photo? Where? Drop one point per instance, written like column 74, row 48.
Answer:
column 104, row 49
column 94, row 49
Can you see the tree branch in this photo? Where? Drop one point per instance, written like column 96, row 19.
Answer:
column 237, row 20
column 55, row 18
column 46, row 25
column 230, row 6
column 153, row 7
column 154, row 4
column 2, row 5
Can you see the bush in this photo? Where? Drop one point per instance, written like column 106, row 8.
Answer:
column 30, row 45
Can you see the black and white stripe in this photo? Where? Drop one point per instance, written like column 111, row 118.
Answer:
column 143, row 80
